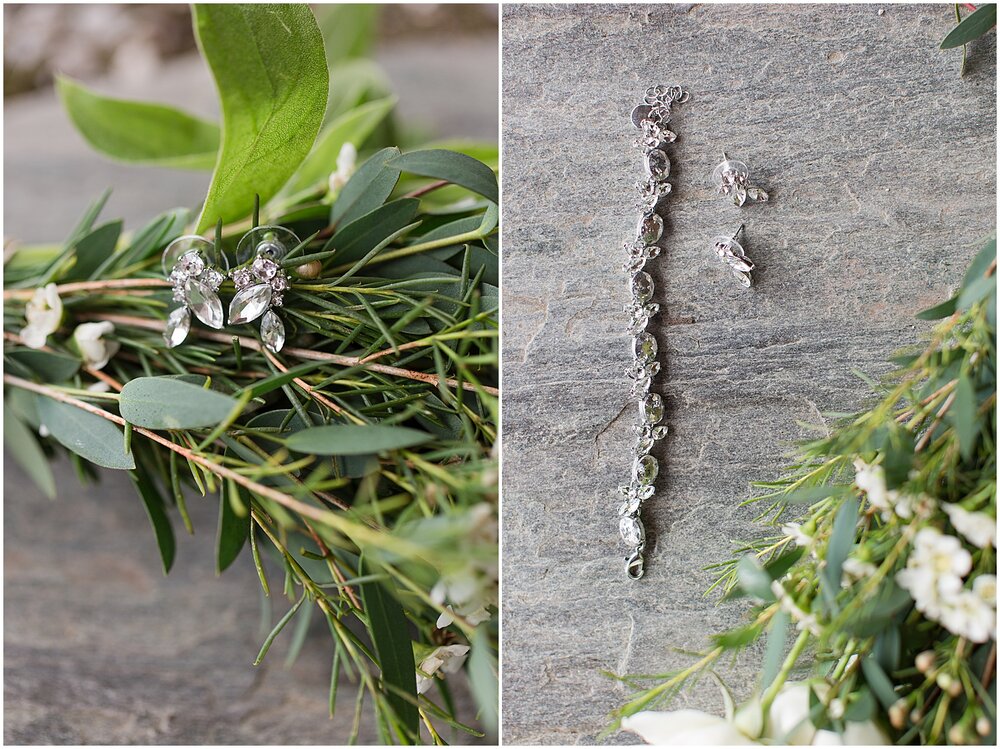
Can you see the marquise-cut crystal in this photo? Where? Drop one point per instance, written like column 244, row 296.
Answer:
column 249, row 303
column 642, row 287
column 646, row 469
column 657, row 164
column 650, row 228
column 743, row 278
column 178, row 325
column 204, row 303
column 652, row 408
column 644, row 444
column 272, row 332
column 644, row 346
column 632, row 531
column 659, row 432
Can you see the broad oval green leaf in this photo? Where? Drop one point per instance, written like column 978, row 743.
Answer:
column 270, row 68
column 367, row 189
column 51, row 366
column 90, row 436
column 455, row 167
column 359, row 237
column 354, row 439
column 390, row 635
column 972, row 27
column 27, row 452
column 140, row 132
column 352, row 127
column 170, row 403
column 93, row 250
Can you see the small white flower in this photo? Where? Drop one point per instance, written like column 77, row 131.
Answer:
column 856, row 569
column 985, row 586
column 789, row 721
column 967, row 615
column 795, row 532
column 473, row 615
column 935, row 569
column 978, row 528
column 345, row 167
column 447, row 659
column 685, row 728
column 44, row 313
column 99, row 387
column 871, row 480
column 96, row 352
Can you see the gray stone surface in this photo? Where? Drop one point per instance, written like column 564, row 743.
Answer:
column 881, row 164
column 99, row 647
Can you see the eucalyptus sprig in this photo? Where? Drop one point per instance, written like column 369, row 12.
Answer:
column 882, row 597
column 358, row 463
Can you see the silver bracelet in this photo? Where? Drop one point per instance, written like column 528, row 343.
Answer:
column 651, row 118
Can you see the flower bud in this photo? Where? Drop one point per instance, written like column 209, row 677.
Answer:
column 984, row 726
column 897, row 715
column 916, row 715
column 925, row 661
column 310, row 270
column 955, row 688
column 945, row 681
column 957, row 734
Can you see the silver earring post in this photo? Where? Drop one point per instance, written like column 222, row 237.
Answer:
column 734, row 256
column 195, row 270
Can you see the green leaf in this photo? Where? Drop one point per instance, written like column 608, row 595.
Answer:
column 367, row 188
column 939, row 311
column 393, row 647
column 270, row 69
column 778, row 632
column 457, row 168
column 140, row 132
column 93, row 250
column 354, row 439
column 27, row 452
column 740, row 637
column 51, row 366
column 839, row 546
column 779, row 566
column 972, row 27
column 358, row 238
column 169, row 403
column 810, row 494
column 753, row 580
column 981, row 262
column 90, row 436
column 897, row 457
column 353, row 82
column 878, row 682
column 351, row 127
column 154, row 505
column 348, row 29
column 962, row 416
column 976, row 290
column 483, row 679
column 860, row 706
column 231, row 535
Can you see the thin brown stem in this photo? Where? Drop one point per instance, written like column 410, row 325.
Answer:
column 70, row 288
column 427, row 188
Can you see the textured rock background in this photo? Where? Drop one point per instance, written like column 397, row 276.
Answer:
column 880, row 161
column 99, row 647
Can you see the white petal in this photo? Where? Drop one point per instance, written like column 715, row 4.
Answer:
column 683, row 728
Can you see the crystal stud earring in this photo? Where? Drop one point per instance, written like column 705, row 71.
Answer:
column 732, row 179
column 261, row 282
column 196, row 269
column 732, row 254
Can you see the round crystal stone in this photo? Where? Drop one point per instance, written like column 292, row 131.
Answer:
column 650, row 228
column 646, row 469
column 729, row 170
column 657, row 164
column 642, row 287
column 264, row 268
column 652, row 408
column 644, row 346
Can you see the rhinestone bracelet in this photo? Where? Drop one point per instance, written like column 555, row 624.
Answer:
column 651, row 118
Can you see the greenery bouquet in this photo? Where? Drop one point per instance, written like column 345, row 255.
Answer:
column 355, row 457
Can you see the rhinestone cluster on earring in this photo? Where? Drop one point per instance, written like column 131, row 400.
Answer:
column 261, row 282
column 195, row 270
column 734, row 256
column 651, row 118
column 732, row 179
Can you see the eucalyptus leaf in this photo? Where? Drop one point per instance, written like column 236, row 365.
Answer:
column 231, row 535
column 51, row 366
column 90, row 436
column 839, row 546
column 778, row 632
column 355, row 439
column 972, row 27
column 270, row 69
column 155, row 510
column 962, row 416
column 170, row 403
column 354, row 240
column 93, row 250
column 483, row 679
column 348, row 30
column 753, row 580
column 939, row 311
column 24, row 447
column 390, row 635
column 140, row 132
column 367, row 189
column 454, row 167
column 878, row 682
column 352, row 127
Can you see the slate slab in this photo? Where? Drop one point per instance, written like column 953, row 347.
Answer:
column 881, row 164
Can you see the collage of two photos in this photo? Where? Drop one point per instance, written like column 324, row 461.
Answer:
column 518, row 374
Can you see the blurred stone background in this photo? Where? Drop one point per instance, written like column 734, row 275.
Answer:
column 99, row 646
column 881, row 165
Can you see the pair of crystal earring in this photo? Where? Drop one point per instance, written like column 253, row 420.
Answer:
column 196, row 268
column 732, row 179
